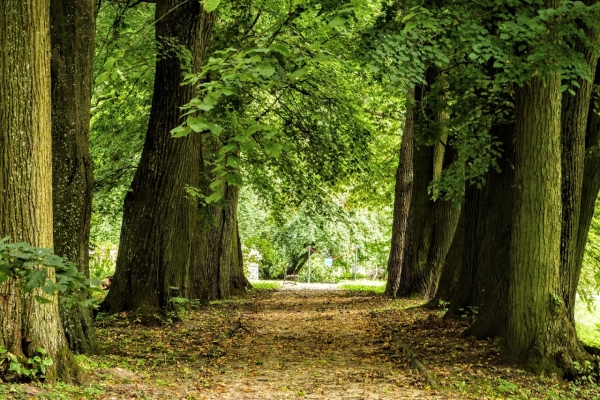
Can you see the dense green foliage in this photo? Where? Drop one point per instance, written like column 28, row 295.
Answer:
column 319, row 160
column 38, row 271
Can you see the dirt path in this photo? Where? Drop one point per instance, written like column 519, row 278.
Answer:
column 297, row 344
column 313, row 344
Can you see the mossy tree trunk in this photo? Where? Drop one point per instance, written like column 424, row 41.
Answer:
column 591, row 180
column 72, row 34
column 26, row 178
column 574, row 121
column 540, row 334
column 160, row 222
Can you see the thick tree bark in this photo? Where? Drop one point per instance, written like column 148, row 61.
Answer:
column 159, row 228
column 431, row 223
column 415, row 273
column 26, row 178
column 218, row 272
column 72, row 34
column 449, row 282
column 591, row 181
column 539, row 334
column 575, row 110
column 402, row 200
column 488, row 219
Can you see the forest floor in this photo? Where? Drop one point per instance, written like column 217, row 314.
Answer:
column 297, row 343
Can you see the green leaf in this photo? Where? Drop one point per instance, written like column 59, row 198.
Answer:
column 266, row 70
column 214, row 128
column 408, row 17
column 180, row 131
column 299, row 73
column 273, row 149
column 42, row 300
column 428, row 23
column 109, row 63
column 228, row 147
column 37, row 278
column 228, row 91
column 409, row 26
column 213, row 198
column 281, row 48
column 103, row 77
column 233, row 178
column 337, row 21
column 211, row 5
column 322, row 57
column 233, row 161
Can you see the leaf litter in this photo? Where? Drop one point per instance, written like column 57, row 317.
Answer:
column 292, row 344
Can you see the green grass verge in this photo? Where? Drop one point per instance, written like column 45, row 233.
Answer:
column 378, row 287
column 588, row 323
column 265, row 285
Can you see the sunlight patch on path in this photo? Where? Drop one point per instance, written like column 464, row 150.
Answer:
column 320, row 343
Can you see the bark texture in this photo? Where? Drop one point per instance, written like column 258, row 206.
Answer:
column 219, row 272
column 575, row 111
column 488, row 220
column 72, row 34
column 431, row 223
column 402, row 200
column 159, row 221
column 26, row 178
column 591, row 181
column 539, row 333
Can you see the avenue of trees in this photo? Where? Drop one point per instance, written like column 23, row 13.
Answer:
column 189, row 130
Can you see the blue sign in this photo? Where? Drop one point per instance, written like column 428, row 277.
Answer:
column 329, row 262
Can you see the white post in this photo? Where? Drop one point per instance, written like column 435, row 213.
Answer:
column 355, row 261
column 308, row 264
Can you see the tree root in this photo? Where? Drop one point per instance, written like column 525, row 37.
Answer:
column 414, row 361
column 595, row 351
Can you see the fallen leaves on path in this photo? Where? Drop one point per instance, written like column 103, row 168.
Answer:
column 298, row 344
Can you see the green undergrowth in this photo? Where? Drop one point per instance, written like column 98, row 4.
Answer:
column 524, row 388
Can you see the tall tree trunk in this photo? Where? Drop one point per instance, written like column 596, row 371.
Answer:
column 449, row 282
column 159, row 221
column 26, row 178
column 539, row 333
column 591, row 181
column 73, row 28
column 431, row 223
column 415, row 273
column 575, row 111
column 219, row 271
column 488, row 221
column 402, row 200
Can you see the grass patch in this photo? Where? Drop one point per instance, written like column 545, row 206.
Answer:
column 265, row 285
column 588, row 323
column 376, row 287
